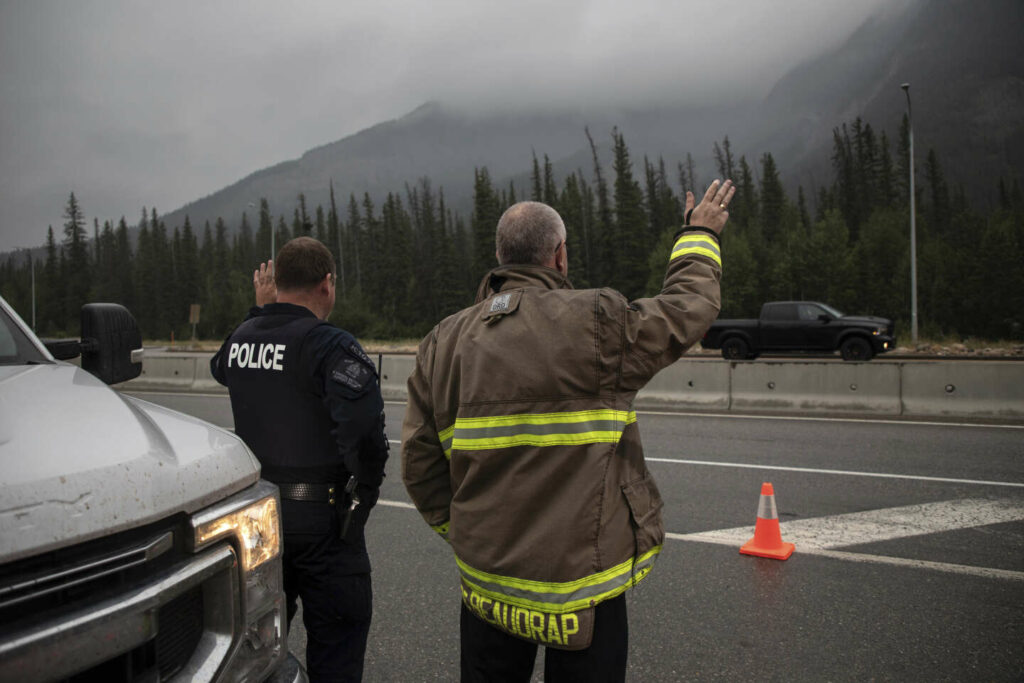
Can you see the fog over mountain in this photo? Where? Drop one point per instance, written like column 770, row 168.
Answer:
column 133, row 104
column 191, row 108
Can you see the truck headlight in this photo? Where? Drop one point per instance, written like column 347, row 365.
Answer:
column 257, row 529
column 250, row 521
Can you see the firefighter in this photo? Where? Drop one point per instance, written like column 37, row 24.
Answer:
column 520, row 444
column 306, row 400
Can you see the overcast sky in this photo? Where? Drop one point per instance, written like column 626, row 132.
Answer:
column 131, row 103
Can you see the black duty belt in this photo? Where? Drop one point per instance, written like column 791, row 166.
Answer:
column 319, row 493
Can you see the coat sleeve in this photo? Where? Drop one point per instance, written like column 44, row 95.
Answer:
column 656, row 331
column 425, row 468
column 351, row 394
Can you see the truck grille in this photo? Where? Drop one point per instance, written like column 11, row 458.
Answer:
column 180, row 626
column 48, row 587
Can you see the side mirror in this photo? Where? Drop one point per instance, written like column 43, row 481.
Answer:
column 111, row 343
column 824, row 317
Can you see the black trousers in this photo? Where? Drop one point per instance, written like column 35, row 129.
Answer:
column 336, row 606
column 493, row 656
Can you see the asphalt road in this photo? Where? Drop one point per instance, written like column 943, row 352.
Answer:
column 909, row 561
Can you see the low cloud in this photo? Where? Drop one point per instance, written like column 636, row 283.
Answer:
column 133, row 104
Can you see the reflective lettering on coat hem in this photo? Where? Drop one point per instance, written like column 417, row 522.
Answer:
column 545, row 628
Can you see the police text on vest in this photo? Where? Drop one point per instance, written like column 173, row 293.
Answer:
column 261, row 357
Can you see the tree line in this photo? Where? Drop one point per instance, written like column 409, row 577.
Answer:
column 407, row 263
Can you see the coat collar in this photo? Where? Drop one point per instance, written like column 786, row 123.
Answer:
column 516, row 276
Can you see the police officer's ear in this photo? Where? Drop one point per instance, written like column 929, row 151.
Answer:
column 327, row 284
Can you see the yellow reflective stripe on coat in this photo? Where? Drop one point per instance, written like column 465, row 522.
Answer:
column 697, row 243
column 568, row 596
column 441, row 529
column 445, row 436
column 540, row 429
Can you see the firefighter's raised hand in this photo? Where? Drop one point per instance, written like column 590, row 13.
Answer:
column 263, row 284
column 713, row 210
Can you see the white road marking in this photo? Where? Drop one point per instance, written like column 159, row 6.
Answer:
column 855, row 528
column 822, row 418
column 396, row 504
column 819, row 536
column 849, row 473
column 812, row 470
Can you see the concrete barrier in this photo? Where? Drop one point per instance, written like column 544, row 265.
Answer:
column 688, row 385
column 205, row 383
column 816, row 387
column 167, row 373
column 973, row 389
column 950, row 389
column 394, row 372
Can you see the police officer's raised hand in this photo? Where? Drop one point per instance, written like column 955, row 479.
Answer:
column 263, row 284
column 713, row 210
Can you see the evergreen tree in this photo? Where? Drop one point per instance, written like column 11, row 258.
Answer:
column 743, row 210
column 320, row 228
column 484, row 221
column 550, row 191
column 189, row 289
column 145, row 278
column 578, row 212
column 602, row 241
column 245, row 247
column 773, row 199
column 537, row 194
column 51, row 309
column 886, row 174
column 124, row 259
column 633, row 240
column 223, row 291
column 161, row 262
column 801, row 203
column 264, row 234
column 354, row 231
column 79, row 281
column 724, row 160
column 105, row 286
column 937, row 208
column 334, row 242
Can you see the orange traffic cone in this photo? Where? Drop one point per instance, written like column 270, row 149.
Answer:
column 767, row 540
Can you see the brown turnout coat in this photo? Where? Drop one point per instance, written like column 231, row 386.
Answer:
column 520, row 444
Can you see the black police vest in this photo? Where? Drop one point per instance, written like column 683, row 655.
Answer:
column 277, row 403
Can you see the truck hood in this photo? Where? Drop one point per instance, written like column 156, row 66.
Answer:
column 79, row 460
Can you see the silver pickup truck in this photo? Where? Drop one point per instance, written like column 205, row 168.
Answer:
column 136, row 543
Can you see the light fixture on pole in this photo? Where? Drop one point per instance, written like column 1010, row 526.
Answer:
column 913, row 227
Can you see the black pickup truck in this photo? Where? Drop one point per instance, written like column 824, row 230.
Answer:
column 788, row 326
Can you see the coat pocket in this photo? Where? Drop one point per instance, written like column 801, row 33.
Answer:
column 644, row 501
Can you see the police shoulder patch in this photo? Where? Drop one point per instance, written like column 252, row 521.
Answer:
column 358, row 352
column 352, row 373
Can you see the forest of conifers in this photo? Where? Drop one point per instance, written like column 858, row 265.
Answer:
column 405, row 264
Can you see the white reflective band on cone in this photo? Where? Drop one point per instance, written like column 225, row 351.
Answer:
column 766, row 508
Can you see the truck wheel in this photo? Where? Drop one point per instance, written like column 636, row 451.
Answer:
column 735, row 348
column 856, row 348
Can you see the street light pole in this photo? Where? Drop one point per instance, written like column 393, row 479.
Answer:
column 913, row 227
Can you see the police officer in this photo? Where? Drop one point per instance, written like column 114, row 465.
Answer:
column 306, row 399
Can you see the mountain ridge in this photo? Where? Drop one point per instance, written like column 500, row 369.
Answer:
column 960, row 56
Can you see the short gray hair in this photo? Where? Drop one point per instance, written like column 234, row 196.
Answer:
column 528, row 232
